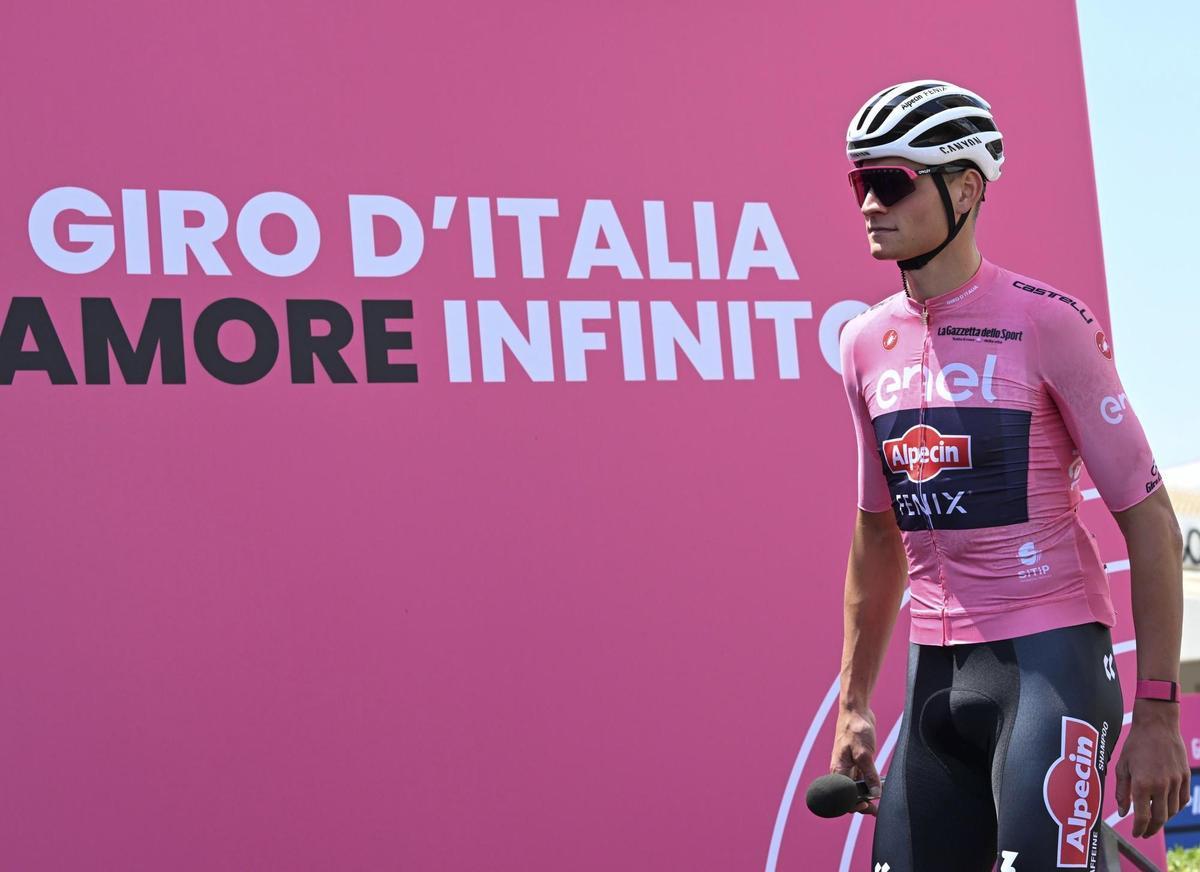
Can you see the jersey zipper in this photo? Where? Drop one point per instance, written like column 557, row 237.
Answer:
column 922, row 505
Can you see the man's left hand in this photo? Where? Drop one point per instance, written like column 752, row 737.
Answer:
column 1153, row 770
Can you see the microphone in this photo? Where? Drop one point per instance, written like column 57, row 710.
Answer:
column 836, row 794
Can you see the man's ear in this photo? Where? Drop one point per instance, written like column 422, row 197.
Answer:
column 972, row 185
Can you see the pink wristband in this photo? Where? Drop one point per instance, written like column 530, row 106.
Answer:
column 1154, row 688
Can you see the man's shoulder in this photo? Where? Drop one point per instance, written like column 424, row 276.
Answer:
column 874, row 315
column 1050, row 305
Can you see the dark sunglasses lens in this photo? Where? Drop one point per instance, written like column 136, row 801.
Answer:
column 890, row 185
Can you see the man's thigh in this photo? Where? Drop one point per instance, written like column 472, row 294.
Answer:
column 936, row 812
column 1051, row 779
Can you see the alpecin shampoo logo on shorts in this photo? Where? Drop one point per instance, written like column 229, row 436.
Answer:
column 923, row 452
column 1072, row 792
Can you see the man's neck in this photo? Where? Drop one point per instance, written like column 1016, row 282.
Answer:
column 953, row 266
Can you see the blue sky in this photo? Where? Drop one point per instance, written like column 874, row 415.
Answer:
column 1143, row 91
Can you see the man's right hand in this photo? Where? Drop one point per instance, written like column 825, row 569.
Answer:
column 854, row 752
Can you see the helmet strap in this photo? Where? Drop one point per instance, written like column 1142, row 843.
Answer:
column 922, row 259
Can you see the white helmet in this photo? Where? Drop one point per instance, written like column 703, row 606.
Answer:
column 929, row 122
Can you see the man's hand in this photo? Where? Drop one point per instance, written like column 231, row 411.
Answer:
column 1153, row 769
column 854, row 752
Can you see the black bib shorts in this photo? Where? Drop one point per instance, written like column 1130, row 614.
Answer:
column 1001, row 758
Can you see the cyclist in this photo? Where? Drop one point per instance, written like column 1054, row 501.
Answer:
column 977, row 393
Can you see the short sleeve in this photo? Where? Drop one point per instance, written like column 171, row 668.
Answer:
column 1076, row 361
column 873, row 493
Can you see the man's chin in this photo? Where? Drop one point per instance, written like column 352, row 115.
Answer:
column 888, row 252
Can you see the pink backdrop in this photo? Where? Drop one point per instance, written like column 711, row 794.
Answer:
column 458, row 625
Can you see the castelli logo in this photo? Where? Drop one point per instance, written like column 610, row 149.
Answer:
column 923, row 452
column 1102, row 344
column 1072, row 791
column 890, row 339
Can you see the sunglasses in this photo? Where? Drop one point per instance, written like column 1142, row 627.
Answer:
column 891, row 184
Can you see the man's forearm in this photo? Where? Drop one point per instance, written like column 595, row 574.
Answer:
column 1155, row 549
column 1153, row 775
column 875, row 579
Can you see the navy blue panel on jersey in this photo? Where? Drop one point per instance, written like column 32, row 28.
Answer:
column 965, row 467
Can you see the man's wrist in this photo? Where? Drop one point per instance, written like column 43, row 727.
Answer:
column 856, row 704
column 1155, row 710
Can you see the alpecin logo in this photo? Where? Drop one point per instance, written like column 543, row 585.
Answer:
column 1071, row 791
column 923, row 452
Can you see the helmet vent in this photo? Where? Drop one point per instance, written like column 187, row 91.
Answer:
column 949, row 131
column 894, row 102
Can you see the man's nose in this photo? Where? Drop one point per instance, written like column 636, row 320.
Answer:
column 871, row 204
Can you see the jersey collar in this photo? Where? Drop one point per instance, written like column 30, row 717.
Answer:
column 971, row 289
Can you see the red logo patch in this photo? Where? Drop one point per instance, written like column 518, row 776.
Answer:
column 923, row 452
column 1071, row 791
column 1102, row 344
column 890, row 339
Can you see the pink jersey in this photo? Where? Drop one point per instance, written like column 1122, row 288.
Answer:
column 973, row 414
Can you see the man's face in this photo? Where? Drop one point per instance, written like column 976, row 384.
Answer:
column 912, row 226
